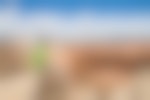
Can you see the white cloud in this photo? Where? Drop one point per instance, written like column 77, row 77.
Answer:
column 83, row 25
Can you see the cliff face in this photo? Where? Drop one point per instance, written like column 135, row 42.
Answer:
column 76, row 57
column 13, row 57
column 103, row 67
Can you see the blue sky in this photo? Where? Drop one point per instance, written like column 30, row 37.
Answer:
column 79, row 22
column 75, row 5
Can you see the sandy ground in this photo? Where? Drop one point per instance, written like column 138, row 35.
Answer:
column 19, row 86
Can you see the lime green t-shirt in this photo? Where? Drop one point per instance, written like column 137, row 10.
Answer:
column 38, row 58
